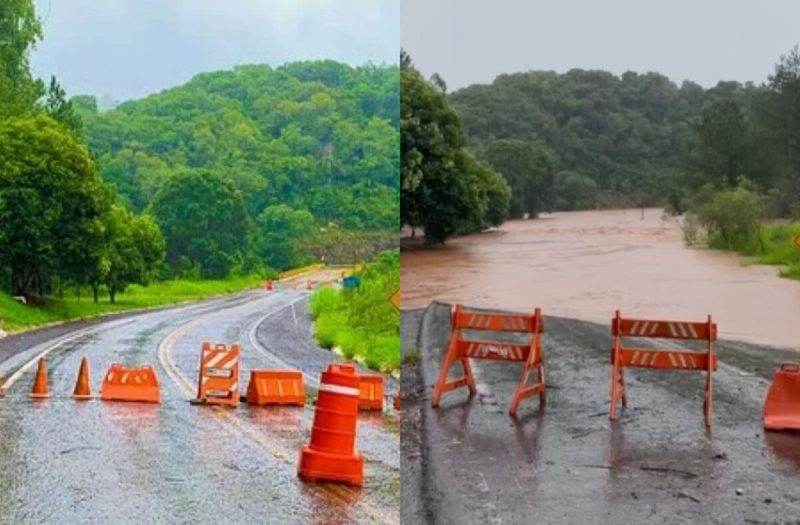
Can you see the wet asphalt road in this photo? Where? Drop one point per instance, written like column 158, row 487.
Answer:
column 103, row 462
column 469, row 462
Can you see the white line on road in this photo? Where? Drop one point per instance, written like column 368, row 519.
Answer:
column 59, row 342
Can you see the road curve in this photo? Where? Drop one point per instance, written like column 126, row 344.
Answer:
column 101, row 462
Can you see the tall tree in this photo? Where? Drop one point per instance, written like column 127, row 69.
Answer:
column 51, row 204
column 722, row 131
column 204, row 222
column 20, row 29
column 529, row 171
column 438, row 191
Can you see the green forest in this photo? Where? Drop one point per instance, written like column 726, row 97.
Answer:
column 591, row 139
column 236, row 173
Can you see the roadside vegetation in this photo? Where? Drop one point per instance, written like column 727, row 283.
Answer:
column 73, row 306
column 360, row 322
column 728, row 155
column 237, row 173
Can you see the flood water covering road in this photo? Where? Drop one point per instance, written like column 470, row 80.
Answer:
column 585, row 265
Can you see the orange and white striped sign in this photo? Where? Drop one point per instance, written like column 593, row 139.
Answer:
column 664, row 329
column 661, row 358
column 461, row 349
column 496, row 322
column 641, row 358
column 218, row 382
column 493, row 350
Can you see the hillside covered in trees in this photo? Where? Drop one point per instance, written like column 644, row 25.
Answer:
column 586, row 139
column 259, row 164
column 592, row 139
column 236, row 173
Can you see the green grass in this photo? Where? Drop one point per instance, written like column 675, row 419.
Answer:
column 71, row 307
column 776, row 247
column 361, row 322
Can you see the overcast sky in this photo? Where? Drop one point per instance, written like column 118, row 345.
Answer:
column 473, row 41
column 129, row 48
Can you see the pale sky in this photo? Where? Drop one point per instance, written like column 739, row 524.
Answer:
column 130, row 48
column 473, row 41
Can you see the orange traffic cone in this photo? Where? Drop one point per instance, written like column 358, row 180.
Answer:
column 40, row 389
column 82, row 389
column 331, row 454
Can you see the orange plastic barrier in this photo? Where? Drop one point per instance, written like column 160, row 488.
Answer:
column 782, row 406
column 461, row 350
column 276, row 387
column 331, row 454
column 665, row 359
column 370, row 395
column 40, row 389
column 130, row 384
column 218, row 380
column 83, row 390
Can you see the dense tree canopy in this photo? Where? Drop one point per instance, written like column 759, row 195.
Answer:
column 444, row 189
column 320, row 138
column 585, row 139
column 51, row 204
column 204, row 222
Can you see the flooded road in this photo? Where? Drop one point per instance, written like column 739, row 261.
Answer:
column 585, row 265
column 105, row 462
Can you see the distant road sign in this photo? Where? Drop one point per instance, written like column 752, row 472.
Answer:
column 351, row 281
column 395, row 299
column 797, row 240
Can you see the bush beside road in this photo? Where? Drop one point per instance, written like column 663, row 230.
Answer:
column 360, row 321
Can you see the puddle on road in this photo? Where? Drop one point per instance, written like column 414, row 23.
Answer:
column 585, row 265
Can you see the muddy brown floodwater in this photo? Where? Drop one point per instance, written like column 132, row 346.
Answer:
column 585, row 265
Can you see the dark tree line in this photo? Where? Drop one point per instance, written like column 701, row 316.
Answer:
column 444, row 189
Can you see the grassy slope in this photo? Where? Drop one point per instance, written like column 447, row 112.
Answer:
column 780, row 248
column 19, row 316
column 775, row 248
column 362, row 322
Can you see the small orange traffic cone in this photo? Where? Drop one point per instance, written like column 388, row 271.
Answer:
column 82, row 389
column 40, row 389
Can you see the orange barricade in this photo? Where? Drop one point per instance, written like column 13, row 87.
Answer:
column 218, row 381
column 130, row 384
column 276, row 387
column 461, row 349
column 659, row 358
column 782, row 405
column 331, row 453
column 370, row 387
